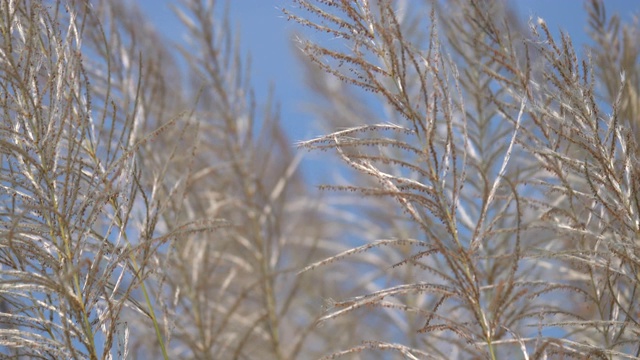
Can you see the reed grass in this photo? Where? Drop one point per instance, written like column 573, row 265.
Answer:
column 486, row 202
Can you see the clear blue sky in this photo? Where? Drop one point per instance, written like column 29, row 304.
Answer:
column 265, row 33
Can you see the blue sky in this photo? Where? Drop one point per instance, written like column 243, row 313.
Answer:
column 265, row 34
